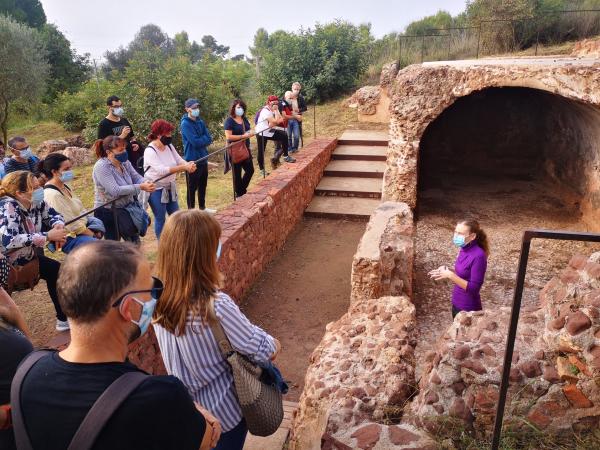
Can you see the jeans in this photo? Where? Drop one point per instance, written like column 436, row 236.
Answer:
column 160, row 210
column 73, row 242
column 49, row 271
column 240, row 183
column 293, row 131
column 196, row 181
column 234, row 439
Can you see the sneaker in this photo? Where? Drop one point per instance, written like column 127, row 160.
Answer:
column 289, row 159
column 210, row 211
column 62, row 325
column 264, row 173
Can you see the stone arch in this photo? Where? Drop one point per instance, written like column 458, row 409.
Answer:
column 421, row 94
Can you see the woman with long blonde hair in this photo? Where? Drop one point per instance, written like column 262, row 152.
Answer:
column 191, row 301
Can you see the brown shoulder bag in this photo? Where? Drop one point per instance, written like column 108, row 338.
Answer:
column 238, row 152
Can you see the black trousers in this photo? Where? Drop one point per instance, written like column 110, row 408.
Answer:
column 127, row 229
column 241, row 182
column 197, row 181
column 49, row 271
column 279, row 136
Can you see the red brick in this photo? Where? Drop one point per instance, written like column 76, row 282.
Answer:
column 578, row 261
column 576, row 397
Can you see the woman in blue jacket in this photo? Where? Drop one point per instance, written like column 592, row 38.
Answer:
column 196, row 139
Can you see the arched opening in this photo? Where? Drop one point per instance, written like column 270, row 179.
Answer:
column 514, row 158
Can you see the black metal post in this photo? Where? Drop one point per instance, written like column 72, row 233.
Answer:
column 537, row 40
column 449, row 44
column 399, row 51
column 422, row 49
column 315, row 119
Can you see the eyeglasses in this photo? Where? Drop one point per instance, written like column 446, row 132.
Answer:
column 155, row 292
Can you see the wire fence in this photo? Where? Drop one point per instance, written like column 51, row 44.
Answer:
column 490, row 37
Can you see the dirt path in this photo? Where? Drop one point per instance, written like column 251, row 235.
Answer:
column 505, row 208
column 303, row 289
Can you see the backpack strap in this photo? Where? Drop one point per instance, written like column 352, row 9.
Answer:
column 20, row 431
column 103, row 409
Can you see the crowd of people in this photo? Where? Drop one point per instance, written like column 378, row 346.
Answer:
column 68, row 399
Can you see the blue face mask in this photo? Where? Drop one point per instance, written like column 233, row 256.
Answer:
column 458, row 240
column 119, row 111
column 37, row 196
column 195, row 112
column 219, row 251
column 121, row 157
column 146, row 315
column 26, row 153
column 67, row 176
column 239, row 111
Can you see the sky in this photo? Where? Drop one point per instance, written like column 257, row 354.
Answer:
column 95, row 26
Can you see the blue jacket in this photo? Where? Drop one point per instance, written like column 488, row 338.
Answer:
column 196, row 138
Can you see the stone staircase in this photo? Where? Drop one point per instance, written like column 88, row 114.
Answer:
column 277, row 440
column 352, row 181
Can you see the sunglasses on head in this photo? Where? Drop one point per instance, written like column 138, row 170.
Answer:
column 155, row 292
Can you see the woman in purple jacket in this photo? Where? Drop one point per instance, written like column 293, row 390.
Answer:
column 470, row 266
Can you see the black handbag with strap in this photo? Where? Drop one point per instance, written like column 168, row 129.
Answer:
column 92, row 424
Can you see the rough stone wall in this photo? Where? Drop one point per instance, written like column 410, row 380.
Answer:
column 362, row 373
column 555, row 373
column 421, row 93
column 382, row 265
column 256, row 226
column 373, row 102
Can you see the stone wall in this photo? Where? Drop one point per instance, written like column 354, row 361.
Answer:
column 256, row 226
column 361, row 375
column 373, row 102
column 421, row 93
column 556, row 365
column 382, row 265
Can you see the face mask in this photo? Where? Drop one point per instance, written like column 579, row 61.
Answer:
column 458, row 240
column 146, row 315
column 26, row 153
column 296, row 92
column 118, row 111
column 219, row 251
column 67, row 176
column 239, row 111
column 37, row 196
column 121, row 157
column 166, row 140
column 195, row 112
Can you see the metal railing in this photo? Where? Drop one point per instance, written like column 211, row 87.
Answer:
column 516, row 308
column 490, row 36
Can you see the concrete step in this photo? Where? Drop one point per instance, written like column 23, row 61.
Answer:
column 361, row 169
column 342, row 207
column 360, row 152
column 350, row 187
column 364, row 137
column 277, row 440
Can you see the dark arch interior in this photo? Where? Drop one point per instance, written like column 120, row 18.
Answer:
column 514, row 133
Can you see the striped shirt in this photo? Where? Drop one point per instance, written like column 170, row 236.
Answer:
column 110, row 183
column 195, row 358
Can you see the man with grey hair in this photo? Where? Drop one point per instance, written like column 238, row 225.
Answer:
column 293, row 125
column 22, row 159
column 68, row 399
column 299, row 106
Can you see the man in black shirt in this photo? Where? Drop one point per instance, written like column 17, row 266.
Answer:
column 109, row 306
column 114, row 124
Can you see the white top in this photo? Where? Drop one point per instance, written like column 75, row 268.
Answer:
column 159, row 162
column 263, row 122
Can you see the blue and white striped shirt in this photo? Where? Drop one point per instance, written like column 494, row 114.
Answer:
column 195, row 358
column 110, row 183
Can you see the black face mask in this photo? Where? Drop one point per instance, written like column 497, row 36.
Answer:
column 166, row 140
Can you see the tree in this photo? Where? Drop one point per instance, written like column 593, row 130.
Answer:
column 67, row 69
column 260, row 48
column 211, row 47
column 24, row 68
column 29, row 12
column 442, row 19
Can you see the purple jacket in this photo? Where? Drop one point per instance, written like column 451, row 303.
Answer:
column 471, row 265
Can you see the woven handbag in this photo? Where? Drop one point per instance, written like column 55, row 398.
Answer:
column 261, row 403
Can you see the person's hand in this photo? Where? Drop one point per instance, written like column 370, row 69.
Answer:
column 58, row 235
column 135, row 147
column 440, row 273
column 275, row 108
column 299, row 117
column 125, row 132
column 148, row 186
column 214, row 424
column 277, row 350
column 191, row 167
column 9, row 311
column 58, row 226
